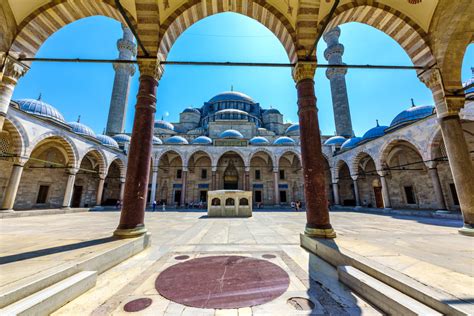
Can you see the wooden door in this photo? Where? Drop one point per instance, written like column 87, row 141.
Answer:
column 378, row 197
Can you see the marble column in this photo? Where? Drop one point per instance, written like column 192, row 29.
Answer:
column 214, row 180
column 276, row 198
column 11, row 72
column 122, row 188
column 100, row 190
column 154, row 176
column 462, row 169
column 356, row 191
column 317, row 212
column 132, row 217
column 12, row 187
column 385, row 191
column 69, row 188
column 335, row 191
column 433, row 172
column 247, row 179
column 184, row 177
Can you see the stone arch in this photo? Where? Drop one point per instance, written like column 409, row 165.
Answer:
column 436, row 146
column 120, row 163
column 391, row 144
column 160, row 155
column 17, row 135
column 195, row 151
column 265, row 151
column 234, row 150
column 286, row 151
column 337, row 168
column 99, row 155
column 70, row 149
column 192, row 11
column 36, row 28
column 354, row 165
column 409, row 35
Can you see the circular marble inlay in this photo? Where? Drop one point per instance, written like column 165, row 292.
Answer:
column 268, row 256
column 137, row 305
column 301, row 303
column 222, row 282
column 183, row 257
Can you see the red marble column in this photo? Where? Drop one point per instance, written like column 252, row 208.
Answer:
column 139, row 157
column 317, row 212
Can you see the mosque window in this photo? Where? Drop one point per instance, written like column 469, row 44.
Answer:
column 179, row 173
column 244, row 201
column 257, row 175
column 282, row 174
column 229, row 202
column 410, row 195
column 42, row 194
column 203, row 173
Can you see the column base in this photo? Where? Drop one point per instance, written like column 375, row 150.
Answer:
column 467, row 230
column 327, row 233
column 130, row 233
column 7, row 211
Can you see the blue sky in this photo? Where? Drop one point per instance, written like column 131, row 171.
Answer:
column 85, row 89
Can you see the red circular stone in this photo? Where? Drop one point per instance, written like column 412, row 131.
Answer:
column 137, row 305
column 222, row 282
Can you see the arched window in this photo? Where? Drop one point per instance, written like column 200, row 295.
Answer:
column 244, row 201
column 229, row 202
column 216, row 202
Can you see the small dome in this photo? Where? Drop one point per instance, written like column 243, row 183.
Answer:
column 293, row 128
column 231, row 133
column 412, row 114
column 231, row 96
column 192, row 110
column 351, row 143
column 283, row 140
column 202, row 140
column 40, row 108
column 122, row 138
column 259, row 140
column 271, row 111
column 374, row 132
column 81, row 129
column 107, row 141
column 157, row 141
column 176, row 140
column 335, row 141
column 164, row 125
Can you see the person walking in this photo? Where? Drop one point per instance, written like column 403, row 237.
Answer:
column 154, row 206
column 164, row 206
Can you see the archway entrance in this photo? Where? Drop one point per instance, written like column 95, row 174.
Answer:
column 231, row 177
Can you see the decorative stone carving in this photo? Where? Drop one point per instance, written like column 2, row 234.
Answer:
column 151, row 67
column 304, row 70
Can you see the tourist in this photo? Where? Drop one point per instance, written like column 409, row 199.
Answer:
column 164, row 206
column 298, row 205
column 154, row 205
column 292, row 204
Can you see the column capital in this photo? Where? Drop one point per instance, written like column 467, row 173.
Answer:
column 432, row 164
column 431, row 78
column 354, row 177
column 122, row 180
column 304, row 70
column 275, row 170
column 214, row 169
column 12, row 69
column 151, row 68
column 102, row 176
column 72, row 171
column 247, row 169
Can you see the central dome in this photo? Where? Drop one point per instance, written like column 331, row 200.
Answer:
column 231, row 96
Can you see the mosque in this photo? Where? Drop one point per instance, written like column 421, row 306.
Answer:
column 230, row 142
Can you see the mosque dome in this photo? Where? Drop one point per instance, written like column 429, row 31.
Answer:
column 259, row 140
column 231, row 133
column 122, row 138
column 192, row 110
column 107, row 141
column 412, row 114
column 374, row 132
column 271, row 111
column 81, row 129
column 164, row 125
column 40, row 108
column 202, row 140
column 351, row 143
column 468, row 82
column 284, row 140
column 231, row 96
column 293, row 128
column 157, row 141
column 176, row 140
column 335, row 141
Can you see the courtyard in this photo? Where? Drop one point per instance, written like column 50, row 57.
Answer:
column 428, row 250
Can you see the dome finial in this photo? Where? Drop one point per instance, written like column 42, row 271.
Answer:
column 39, row 97
column 231, row 87
column 377, row 123
column 472, row 70
column 412, row 103
column 79, row 119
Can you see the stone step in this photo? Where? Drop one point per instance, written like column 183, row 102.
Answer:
column 53, row 297
column 381, row 295
column 100, row 261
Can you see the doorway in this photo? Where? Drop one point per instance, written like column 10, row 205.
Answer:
column 231, row 177
column 76, row 196
column 378, row 197
column 177, row 197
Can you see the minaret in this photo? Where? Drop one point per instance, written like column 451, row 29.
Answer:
column 118, row 102
column 337, row 77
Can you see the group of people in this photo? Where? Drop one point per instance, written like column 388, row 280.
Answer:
column 296, row 205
